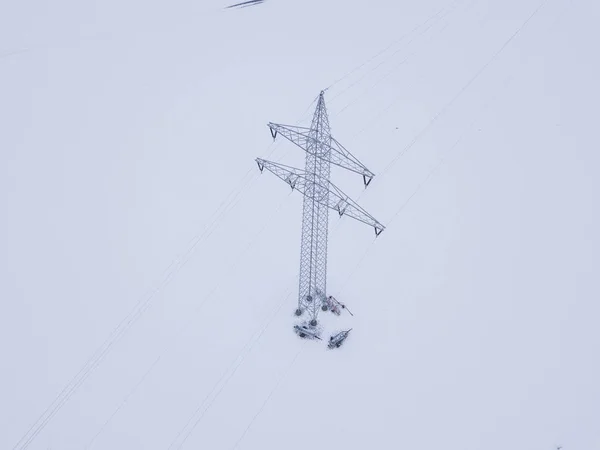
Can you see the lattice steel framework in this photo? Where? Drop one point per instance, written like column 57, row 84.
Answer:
column 320, row 195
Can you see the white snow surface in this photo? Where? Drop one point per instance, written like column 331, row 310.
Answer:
column 126, row 125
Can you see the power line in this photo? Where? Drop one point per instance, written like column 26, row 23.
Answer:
column 213, row 291
column 407, row 45
column 402, row 62
column 370, row 247
column 262, row 407
column 463, row 89
column 123, row 402
column 122, row 328
column 379, row 53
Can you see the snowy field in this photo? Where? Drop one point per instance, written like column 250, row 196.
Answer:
column 148, row 271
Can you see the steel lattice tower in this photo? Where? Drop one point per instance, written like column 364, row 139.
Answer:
column 320, row 195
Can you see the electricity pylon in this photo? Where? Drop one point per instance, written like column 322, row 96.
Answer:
column 320, row 195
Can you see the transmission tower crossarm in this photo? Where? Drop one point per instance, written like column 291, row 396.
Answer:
column 294, row 134
column 335, row 151
column 291, row 175
column 343, row 158
column 344, row 205
column 335, row 199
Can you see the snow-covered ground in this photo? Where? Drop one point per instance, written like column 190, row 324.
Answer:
column 132, row 205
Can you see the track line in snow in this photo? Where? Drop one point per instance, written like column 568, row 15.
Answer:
column 8, row 54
